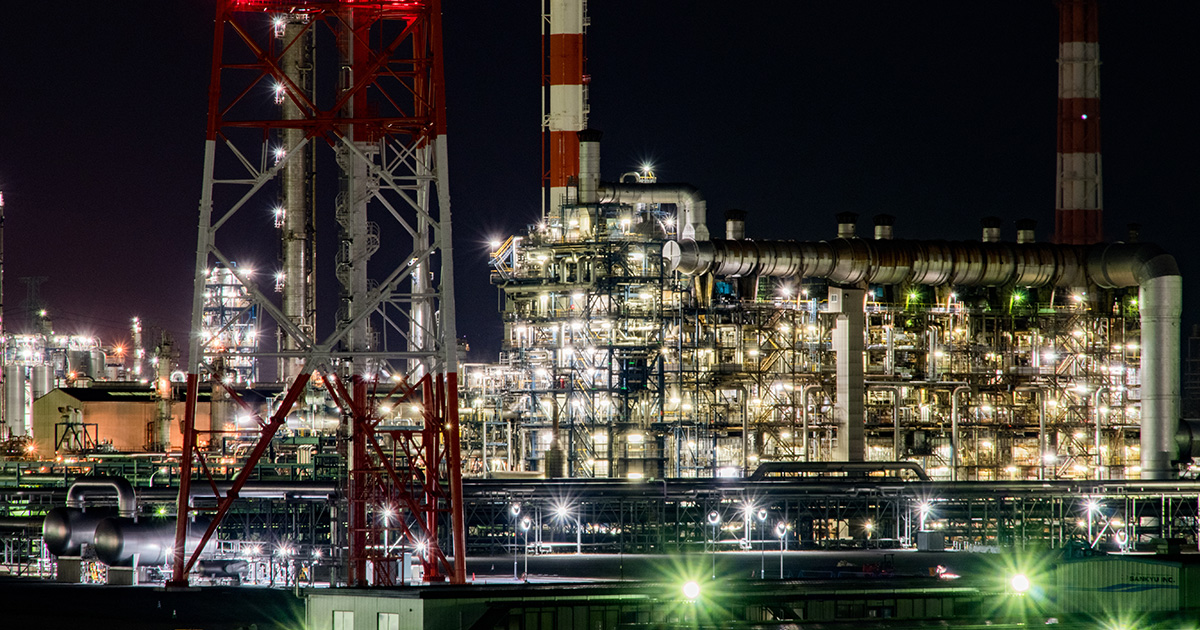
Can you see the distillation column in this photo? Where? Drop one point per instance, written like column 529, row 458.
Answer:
column 294, row 214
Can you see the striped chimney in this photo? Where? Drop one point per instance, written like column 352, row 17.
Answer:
column 567, row 115
column 1079, row 204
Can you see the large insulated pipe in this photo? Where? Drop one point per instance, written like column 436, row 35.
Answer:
column 1109, row 266
column 693, row 211
column 1079, row 204
column 83, row 486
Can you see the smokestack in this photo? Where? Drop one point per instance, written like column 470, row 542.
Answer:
column 1025, row 231
column 735, row 225
column 883, row 227
column 566, row 117
column 1078, row 216
column 991, row 229
column 847, row 223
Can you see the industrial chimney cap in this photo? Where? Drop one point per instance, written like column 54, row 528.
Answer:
column 885, row 219
column 733, row 214
column 590, row 135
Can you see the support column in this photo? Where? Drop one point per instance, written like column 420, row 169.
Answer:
column 848, row 345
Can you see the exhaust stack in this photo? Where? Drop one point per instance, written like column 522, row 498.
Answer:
column 1078, row 215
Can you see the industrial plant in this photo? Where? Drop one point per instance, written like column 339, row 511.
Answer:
column 660, row 391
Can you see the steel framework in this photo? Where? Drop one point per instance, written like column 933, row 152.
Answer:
column 384, row 120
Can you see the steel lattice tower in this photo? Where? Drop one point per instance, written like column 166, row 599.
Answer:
column 391, row 343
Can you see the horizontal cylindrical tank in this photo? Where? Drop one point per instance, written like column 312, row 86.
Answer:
column 65, row 529
column 117, row 540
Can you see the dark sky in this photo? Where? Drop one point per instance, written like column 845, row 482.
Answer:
column 937, row 112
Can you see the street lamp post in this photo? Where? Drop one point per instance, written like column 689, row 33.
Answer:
column 714, row 519
column 515, row 510
column 762, row 549
column 781, row 531
column 525, row 525
column 564, row 514
column 386, row 515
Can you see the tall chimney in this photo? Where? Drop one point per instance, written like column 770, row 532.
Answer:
column 1078, row 216
column 566, row 115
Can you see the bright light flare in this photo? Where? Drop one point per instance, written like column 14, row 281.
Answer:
column 1019, row 583
column 691, row 590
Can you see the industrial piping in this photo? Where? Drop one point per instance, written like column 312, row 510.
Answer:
column 851, row 261
column 126, row 498
column 693, row 211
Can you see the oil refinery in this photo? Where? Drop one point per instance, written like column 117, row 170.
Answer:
column 870, row 427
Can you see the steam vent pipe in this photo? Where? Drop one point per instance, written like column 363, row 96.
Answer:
column 849, row 261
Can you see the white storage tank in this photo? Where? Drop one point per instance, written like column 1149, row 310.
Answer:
column 41, row 381
column 14, row 399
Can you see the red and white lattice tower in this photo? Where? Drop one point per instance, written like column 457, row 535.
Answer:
column 565, row 109
column 1078, row 215
column 391, row 344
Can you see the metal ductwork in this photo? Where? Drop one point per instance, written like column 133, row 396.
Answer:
column 851, row 261
column 693, row 211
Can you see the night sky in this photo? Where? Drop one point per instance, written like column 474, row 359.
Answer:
column 939, row 113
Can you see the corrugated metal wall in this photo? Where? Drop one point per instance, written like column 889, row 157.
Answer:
column 1098, row 585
